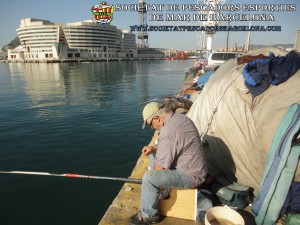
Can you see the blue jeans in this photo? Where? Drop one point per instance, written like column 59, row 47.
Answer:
column 203, row 205
column 153, row 180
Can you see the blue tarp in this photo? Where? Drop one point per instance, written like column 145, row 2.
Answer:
column 204, row 78
column 261, row 73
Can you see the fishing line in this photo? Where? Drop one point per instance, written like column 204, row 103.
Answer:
column 117, row 167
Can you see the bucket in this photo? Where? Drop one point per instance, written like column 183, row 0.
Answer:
column 223, row 215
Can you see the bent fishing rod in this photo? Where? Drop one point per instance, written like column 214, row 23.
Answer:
column 74, row 175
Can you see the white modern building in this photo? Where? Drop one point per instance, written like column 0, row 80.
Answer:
column 87, row 39
column 128, row 40
column 38, row 38
column 44, row 40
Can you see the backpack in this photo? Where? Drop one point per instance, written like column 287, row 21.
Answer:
column 231, row 193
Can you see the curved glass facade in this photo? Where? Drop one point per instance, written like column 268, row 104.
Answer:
column 42, row 39
column 38, row 37
column 89, row 35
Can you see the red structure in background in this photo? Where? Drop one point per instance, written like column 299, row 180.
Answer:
column 181, row 55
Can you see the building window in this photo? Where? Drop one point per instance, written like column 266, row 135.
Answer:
column 70, row 55
column 77, row 55
column 46, row 55
column 36, row 55
column 50, row 55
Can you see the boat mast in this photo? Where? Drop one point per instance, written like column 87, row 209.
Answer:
column 247, row 45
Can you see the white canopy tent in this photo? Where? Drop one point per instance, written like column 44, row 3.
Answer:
column 237, row 127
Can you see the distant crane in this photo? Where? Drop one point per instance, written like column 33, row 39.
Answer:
column 205, row 38
column 143, row 34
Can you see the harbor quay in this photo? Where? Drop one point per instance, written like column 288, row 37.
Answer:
column 78, row 60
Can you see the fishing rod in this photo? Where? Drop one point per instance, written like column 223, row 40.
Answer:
column 74, row 175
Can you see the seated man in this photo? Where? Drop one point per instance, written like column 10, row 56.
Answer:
column 197, row 74
column 195, row 69
column 179, row 160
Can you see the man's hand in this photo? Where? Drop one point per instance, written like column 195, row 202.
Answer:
column 149, row 149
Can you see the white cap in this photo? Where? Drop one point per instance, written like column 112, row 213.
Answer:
column 149, row 110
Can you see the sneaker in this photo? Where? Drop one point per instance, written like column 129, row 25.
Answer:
column 138, row 219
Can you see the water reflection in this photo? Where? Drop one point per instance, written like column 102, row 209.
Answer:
column 53, row 85
column 98, row 83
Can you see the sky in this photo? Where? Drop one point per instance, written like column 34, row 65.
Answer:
column 65, row 11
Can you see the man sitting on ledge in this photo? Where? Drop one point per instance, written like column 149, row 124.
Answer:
column 179, row 160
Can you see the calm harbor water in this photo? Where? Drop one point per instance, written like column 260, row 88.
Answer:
column 74, row 118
